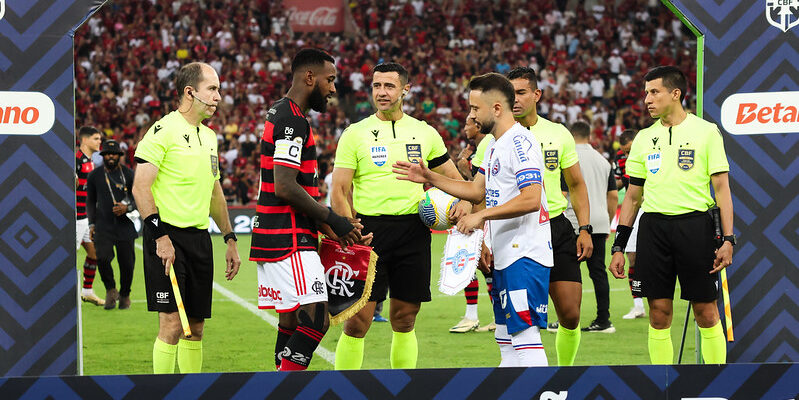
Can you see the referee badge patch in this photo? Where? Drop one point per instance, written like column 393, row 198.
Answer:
column 379, row 155
column 414, row 152
column 685, row 159
column 653, row 163
column 214, row 165
column 551, row 159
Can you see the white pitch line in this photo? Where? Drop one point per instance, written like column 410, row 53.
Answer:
column 326, row 354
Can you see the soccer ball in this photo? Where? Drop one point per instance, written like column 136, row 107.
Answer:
column 434, row 208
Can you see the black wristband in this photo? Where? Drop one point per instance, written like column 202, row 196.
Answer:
column 622, row 236
column 231, row 235
column 154, row 223
column 340, row 225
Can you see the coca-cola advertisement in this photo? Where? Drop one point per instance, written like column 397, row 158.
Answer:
column 317, row 15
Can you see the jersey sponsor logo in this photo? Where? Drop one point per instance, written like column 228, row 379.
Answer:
column 492, row 197
column 653, row 163
column 551, row 159
column 340, row 279
column 214, row 165
column 781, row 15
column 25, row 113
column 379, row 155
column 522, row 145
column 269, row 293
column 760, row 113
column 414, row 152
column 685, row 159
column 459, row 260
column 541, row 309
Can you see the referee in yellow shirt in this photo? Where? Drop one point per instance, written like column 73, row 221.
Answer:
column 176, row 187
column 676, row 160
column 363, row 183
column 560, row 158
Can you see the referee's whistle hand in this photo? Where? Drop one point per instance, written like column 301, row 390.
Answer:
column 616, row 265
column 723, row 257
column 165, row 251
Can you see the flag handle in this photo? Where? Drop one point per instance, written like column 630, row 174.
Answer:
column 184, row 321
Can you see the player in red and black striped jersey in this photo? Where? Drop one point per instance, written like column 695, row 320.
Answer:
column 288, row 216
column 90, row 140
column 622, row 181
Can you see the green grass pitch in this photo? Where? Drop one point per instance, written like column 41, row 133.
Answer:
column 240, row 338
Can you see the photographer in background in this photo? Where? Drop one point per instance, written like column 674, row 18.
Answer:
column 110, row 208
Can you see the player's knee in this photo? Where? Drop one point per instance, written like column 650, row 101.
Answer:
column 314, row 316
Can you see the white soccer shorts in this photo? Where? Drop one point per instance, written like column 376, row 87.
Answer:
column 631, row 244
column 291, row 282
column 82, row 234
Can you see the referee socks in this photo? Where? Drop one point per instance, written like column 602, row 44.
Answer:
column 567, row 341
column 164, row 357
column 349, row 352
column 404, row 350
column 190, row 356
column 714, row 345
column 661, row 350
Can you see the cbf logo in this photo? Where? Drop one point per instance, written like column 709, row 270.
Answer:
column 459, row 260
column 685, row 159
column 782, row 14
column 339, row 279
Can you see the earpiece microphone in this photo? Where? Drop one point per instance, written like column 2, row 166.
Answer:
column 404, row 92
column 198, row 99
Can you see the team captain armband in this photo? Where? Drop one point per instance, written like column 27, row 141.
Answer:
column 289, row 151
column 527, row 177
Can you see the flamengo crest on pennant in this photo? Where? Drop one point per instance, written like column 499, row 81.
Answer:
column 782, row 14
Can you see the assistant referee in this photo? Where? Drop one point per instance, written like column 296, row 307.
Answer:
column 675, row 160
column 363, row 180
column 176, row 185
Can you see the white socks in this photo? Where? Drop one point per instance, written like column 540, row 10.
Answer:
column 471, row 312
column 529, row 348
column 509, row 358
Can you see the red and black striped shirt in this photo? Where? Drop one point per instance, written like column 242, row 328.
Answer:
column 279, row 230
column 83, row 165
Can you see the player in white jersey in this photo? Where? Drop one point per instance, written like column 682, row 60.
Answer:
column 511, row 184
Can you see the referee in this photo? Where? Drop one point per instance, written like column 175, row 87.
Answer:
column 675, row 160
column 363, row 182
column 176, row 186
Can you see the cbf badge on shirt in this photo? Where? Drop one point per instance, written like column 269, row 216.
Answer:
column 551, row 159
column 414, row 152
column 653, row 162
column 379, row 155
column 685, row 159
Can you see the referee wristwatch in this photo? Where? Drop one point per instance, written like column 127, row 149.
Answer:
column 588, row 228
column 731, row 238
column 231, row 235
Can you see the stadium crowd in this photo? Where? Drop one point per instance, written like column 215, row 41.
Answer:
column 590, row 61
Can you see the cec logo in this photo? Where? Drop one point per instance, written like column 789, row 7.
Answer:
column 759, row 113
column 25, row 113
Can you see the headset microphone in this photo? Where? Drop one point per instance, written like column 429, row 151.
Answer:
column 198, row 99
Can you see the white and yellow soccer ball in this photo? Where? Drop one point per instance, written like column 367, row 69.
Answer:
column 434, row 208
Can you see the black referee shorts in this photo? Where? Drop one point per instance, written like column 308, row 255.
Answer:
column 564, row 251
column 677, row 246
column 194, row 269
column 402, row 243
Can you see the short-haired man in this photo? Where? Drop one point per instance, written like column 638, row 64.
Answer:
column 90, row 140
column 560, row 158
column 603, row 198
column 363, row 184
column 291, row 278
column 623, row 181
column 109, row 200
column 511, row 184
column 676, row 160
column 176, row 187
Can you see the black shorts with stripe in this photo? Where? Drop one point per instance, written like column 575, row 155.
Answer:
column 677, row 246
column 564, row 251
column 194, row 269
column 402, row 243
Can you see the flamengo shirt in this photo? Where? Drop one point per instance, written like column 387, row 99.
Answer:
column 513, row 162
column 279, row 230
column 558, row 149
column 83, row 165
column 677, row 163
column 188, row 166
column 371, row 146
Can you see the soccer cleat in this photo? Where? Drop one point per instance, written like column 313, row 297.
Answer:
column 635, row 313
column 92, row 298
column 124, row 302
column 379, row 318
column 595, row 326
column 466, row 325
column 111, row 296
column 488, row 328
column 553, row 327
